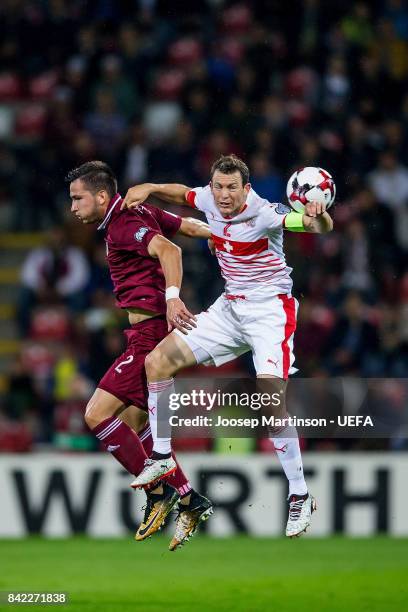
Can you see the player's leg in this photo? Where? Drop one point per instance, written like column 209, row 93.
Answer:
column 114, row 417
column 285, row 438
column 215, row 340
column 131, row 378
column 169, row 356
column 192, row 507
column 178, row 479
column 123, row 385
column 138, row 420
column 286, row 442
column 160, row 497
column 114, row 426
column 128, row 378
column 102, row 417
column 272, row 347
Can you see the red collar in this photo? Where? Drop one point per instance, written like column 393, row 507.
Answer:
column 109, row 210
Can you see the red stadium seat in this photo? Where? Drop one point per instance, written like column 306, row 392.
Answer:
column 236, row 19
column 301, row 83
column 168, row 84
column 30, row 121
column 50, row 324
column 299, row 113
column 43, row 86
column 184, row 52
column 10, row 87
column 15, row 437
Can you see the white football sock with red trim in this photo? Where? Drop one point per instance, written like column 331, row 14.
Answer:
column 288, row 450
column 159, row 414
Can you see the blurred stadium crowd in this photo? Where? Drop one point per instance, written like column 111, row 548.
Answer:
column 159, row 90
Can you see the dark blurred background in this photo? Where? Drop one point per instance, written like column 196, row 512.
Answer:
column 159, row 90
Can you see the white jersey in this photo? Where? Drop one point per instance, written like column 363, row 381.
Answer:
column 249, row 246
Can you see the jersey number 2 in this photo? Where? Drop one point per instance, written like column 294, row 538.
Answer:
column 125, row 362
column 226, row 228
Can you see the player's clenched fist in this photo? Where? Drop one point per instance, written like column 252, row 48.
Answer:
column 136, row 196
column 314, row 209
column 178, row 316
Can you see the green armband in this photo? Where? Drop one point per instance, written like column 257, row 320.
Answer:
column 294, row 222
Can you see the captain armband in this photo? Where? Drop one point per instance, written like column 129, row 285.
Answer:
column 294, row 222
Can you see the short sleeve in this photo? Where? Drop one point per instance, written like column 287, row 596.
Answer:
column 199, row 197
column 273, row 215
column 135, row 235
column 168, row 222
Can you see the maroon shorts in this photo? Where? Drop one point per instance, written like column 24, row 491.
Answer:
column 126, row 378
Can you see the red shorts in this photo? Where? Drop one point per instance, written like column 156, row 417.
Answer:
column 126, row 378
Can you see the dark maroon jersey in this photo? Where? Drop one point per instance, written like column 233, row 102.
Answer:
column 138, row 279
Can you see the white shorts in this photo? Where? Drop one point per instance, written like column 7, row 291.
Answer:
column 231, row 327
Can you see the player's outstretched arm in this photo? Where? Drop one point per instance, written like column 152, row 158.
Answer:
column 315, row 220
column 169, row 256
column 194, row 228
column 172, row 193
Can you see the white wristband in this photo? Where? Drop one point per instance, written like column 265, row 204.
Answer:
column 172, row 292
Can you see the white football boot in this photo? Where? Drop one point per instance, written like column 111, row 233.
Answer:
column 301, row 508
column 154, row 470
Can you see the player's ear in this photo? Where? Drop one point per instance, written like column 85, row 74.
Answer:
column 247, row 188
column 102, row 197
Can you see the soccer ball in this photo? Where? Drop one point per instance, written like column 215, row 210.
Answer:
column 308, row 184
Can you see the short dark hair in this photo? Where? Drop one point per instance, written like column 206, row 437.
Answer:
column 96, row 175
column 228, row 164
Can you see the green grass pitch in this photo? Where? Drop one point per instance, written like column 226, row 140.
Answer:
column 232, row 574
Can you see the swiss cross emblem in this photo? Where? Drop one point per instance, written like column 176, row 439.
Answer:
column 228, row 247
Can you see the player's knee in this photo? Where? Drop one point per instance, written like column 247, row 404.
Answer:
column 156, row 366
column 92, row 415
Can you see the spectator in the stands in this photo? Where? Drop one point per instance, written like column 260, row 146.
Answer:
column 56, row 273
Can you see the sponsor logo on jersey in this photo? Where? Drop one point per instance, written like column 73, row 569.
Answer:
column 282, row 209
column 140, row 233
